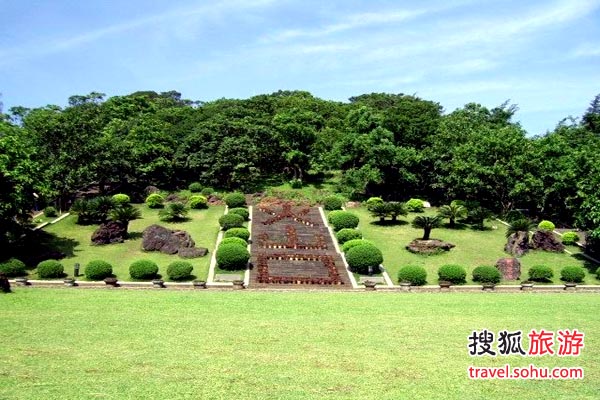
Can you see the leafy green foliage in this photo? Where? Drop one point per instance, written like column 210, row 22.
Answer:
column 229, row 221
column 574, row 274
column 92, row 211
column 453, row 212
column 50, row 269
column 50, row 211
column 235, row 200
column 143, row 269
column 121, row 199
column 342, row 219
column 486, row 274
column 415, row 205
column 179, row 270
column 546, row 225
column 155, row 200
column 238, row 232
column 296, row 183
column 198, row 202
column 373, row 201
column 570, row 238
column 541, row 273
column 519, row 225
column 455, row 274
column 13, row 267
column 234, row 240
column 124, row 214
column 355, row 242
column 416, row 275
column 232, row 257
column 426, row 223
column 514, row 215
column 364, row 258
column 343, row 235
column 333, row 202
column 195, row 187
column 207, row 191
column 241, row 211
column 174, row 212
column 96, row 270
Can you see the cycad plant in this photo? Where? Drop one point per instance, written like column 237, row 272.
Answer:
column 427, row 224
column 379, row 210
column 395, row 208
column 519, row 225
column 174, row 212
column 124, row 214
column 453, row 211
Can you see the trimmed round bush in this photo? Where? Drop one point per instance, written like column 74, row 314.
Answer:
column 342, row 219
column 486, row 274
column 50, row 211
column 97, row 270
column 574, row 274
column 231, row 257
column 207, row 191
column 570, row 238
column 333, row 202
column 373, row 202
column 235, row 200
column 415, row 205
column 13, row 267
column 238, row 232
column 363, row 257
column 50, row 269
column 452, row 273
column 143, row 269
column 179, row 270
column 198, row 201
column 242, row 212
column 229, row 221
column 195, row 187
column 355, row 242
column 414, row 274
column 121, row 199
column 296, row 183
column 234, row 240
column 348, row 234
column 155, row 200
column 546, row 225
column 540, row 273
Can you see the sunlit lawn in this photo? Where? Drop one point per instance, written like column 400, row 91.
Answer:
column 165, row 344
column 473, row 248
column 75, row 241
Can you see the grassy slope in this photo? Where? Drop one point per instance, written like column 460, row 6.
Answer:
column 81, row 344
column 203, row 227
column 473, row 248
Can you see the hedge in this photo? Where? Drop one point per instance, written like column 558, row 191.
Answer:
column 452, row 273
column 355, row 242
column 570, row 238
column 143, row 269
column 573, row 274
column 486, row 274
column 363, row 257
column 198, row 201
column 333, row 202
column 121, row 199
column 414, row 274
column 50, row 269
column 229, row 221
column 231, row 257
column 13, row 267
column 540, row 273
column 238, row 232
column 234, row 200
column 97, row 270
column 343, row 235
column 155, row 200
column 241, row 211
column 235, row 240
column 179, row 270
column 342, row 219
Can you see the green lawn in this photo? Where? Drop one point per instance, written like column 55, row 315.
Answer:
column 74, row 240
column 162, row 344
column 473, row 248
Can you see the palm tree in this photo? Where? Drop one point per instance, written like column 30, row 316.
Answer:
column 395, row 208
column 427, row 224
column 479, row 215
column 519, row 225
column 124, row 214
column 174, row 212
column 453, row 211
column 379, row 210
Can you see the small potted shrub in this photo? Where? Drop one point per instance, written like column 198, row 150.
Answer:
column 487, row 275
column 454, row 274
column 412, row 275
column 572, row 275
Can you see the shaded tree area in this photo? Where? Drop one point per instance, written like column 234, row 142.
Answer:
column 394, row 146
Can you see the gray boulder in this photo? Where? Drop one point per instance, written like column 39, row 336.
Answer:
column 159, row 238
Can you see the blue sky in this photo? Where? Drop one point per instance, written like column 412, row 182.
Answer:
column 542, row 55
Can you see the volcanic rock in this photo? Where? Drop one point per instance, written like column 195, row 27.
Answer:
column 545, row 240
column 192, row 252
column 430, row 246
column 518, row 244
column 109, row 232
column 159, row 238
column 510, row 268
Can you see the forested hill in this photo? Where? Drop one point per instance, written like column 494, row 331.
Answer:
column 394, row 146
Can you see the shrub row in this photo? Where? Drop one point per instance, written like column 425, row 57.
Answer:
column 342, row 219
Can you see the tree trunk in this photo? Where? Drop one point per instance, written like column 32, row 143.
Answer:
column 426, row 233
column 452, row 223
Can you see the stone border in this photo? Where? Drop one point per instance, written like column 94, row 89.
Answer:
column 63, row 216
column 355, row 285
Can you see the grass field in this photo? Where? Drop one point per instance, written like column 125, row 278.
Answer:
column 74, row 240
column 473, row 248
column 134, row 344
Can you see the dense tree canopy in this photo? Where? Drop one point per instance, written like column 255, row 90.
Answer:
column 394, row 146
